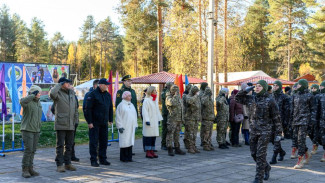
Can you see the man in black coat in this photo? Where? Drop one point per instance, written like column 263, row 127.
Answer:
column 99, row 109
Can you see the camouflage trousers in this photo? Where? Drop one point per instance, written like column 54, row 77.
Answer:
column 221, row 132
column 322, row 136
column 276, row 145
column 173, row 130
column 191, row 128
column 299, row 138
column 313, row 133
column 287, row 129
column 206, row 132
column 258, row 148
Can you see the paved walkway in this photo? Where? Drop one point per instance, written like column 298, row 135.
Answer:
column 222, row 166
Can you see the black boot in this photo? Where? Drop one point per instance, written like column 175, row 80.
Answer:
column 170, row 151
column 282, row 154
column 179, row 151
column 273, row 161
column 267, row 172
column 256, row 181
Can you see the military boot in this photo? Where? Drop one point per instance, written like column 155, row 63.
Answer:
column 196, row 150
column 273, row 160
column 323, row 158
column 179, row 151
column 33, row 172
column 257, row 181
column 206, row 148
column 186, row 144
column 307, row 157
column 267, row 172
column 293, row 153
column 281, row 156
column 70, row 167
column 60, row 169
column 300, row 163
column 191, row 150
column 315, row 147
column 25, row 171
column 211, row 147
column 170, row 151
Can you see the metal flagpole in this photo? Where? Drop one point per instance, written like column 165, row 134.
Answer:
column 211, row 21
column 13, row 131
column 3, row 134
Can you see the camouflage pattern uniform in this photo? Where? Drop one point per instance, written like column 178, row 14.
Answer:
column 164, row 112
column 222, row 117
column 201, row 93
column 192, row 117
column 187, row 127
column 207, row 119
column 313, row 129
column 321, row 116
column 264, row 115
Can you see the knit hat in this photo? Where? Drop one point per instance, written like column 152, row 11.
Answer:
column 279, row 83
column 287, row 88
column 315, row 86
column 223, row 91
column 243, row 86
column 264, row 84
column 322, row 84
column 34, row 88
column 303, row 83
column 203, row 86
column 235, row 92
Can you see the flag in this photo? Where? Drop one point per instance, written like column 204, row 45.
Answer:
column 116, row 87
column 186, row 80
column 3, row 90
column 176, row 80
column 24, row 87
column 110, row 87
column 13, row 91
column 181, row 85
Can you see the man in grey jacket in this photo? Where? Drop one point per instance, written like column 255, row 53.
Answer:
column 66, row 115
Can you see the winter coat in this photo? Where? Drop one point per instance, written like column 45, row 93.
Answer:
column 264, row 113
column 32, row 114
column 84, row 103
column 235, row 108
column 126, row 117
column 284, row 106
column 303, row 108
column 66, row 111
column 151, row 113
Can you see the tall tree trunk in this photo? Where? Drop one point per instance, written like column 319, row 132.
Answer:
column 262, row 50
column 200, row 40
column 160, row 38
column 289, row 44
column 225, row 43
column 90, row 73
column 215, row 47
column 136, row 63
column 101, row 56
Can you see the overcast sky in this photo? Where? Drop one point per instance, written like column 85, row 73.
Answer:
column 65, row 16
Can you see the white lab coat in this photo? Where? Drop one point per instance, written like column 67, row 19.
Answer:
column 126, row 117
column 150, row 113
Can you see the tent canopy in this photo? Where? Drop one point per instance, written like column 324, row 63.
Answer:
column 162, row 78
column 233, row 76
column 310, row 78
column 255, row 79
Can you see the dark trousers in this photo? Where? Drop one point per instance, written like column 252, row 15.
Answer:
column 164, row 131
column 30, row 143
column 98, row 136
column 73, row 153
column 64, row 142
column 149, row 143
column 126, row 154
column 245, row 132
column 235, row 127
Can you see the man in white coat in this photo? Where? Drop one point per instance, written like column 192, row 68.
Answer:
column 126, row 122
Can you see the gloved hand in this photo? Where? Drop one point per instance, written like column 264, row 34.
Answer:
column 278, row 138
column 248, row 89
column 148, row 123
column 245, row 117
column 121, row 130
column 35, row 92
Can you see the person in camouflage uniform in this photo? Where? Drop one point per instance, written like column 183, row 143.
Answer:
column 321, row 116
column 222, row 117
column 164, row 112
column 313, row 128
column 192, row 118
column 208, row 117
column 264, row 115
column 201, row 93
column 282, row 102
column 303, row 114
column 294, row 136
column 187, row 127
column 174, row 120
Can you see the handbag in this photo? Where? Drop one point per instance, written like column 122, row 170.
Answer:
column 239, row 118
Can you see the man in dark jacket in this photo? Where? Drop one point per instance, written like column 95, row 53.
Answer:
column 164, row 112
column 303, row 113
column 264, row 114
column 99, row 111
column 126, row 87
column 282, row 102
column 95, row 85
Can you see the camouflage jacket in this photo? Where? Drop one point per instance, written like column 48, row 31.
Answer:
column 222, row 106
column 320, row 107
column 207, row 109
column 264, row 113
column 283, row 104
column 175, row 107
column 193, row 108
column 164, row 110
column 303, row 108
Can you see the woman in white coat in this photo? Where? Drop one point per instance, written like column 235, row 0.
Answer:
column 126, row 122
column 151, row 117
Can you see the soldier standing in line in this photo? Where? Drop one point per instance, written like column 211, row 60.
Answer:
column 174, row 120
column 264, row 114
column 321, row 121
column 222, row 117
column 281, row 101
column 303, row 114
column 193, row 117
column 201, row 93
column 313, row 128
column 164, row 112
column 187, row 127
column 207, row 119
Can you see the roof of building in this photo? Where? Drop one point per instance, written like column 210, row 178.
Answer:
column 255, row 79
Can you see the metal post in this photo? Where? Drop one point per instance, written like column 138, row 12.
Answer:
column 211, row 45
column 3, row 134
column 13, row 131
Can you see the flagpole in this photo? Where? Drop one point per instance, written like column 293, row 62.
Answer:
column 3, row 132
column 13, row 131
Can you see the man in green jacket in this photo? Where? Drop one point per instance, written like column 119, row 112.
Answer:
column 30, row 128
column 126, row 87
column 66, row 114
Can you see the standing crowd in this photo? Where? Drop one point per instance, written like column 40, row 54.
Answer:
column 261, row 113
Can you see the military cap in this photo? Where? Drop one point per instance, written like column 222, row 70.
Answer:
column 127, row 77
